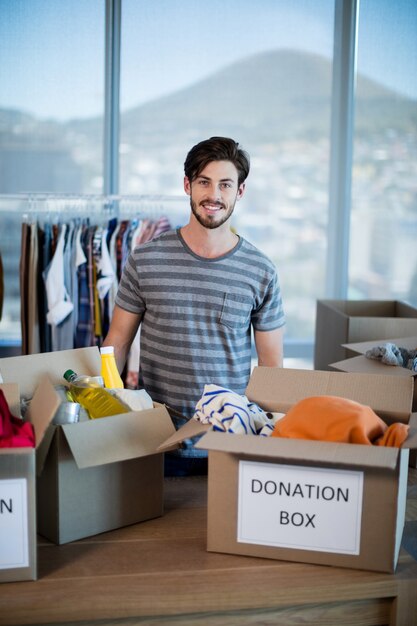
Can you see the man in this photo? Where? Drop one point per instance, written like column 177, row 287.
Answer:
column 197, row 292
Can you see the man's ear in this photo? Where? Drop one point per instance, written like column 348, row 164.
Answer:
column 240, row 191
column 187, row 186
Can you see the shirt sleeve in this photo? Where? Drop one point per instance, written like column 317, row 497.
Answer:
column 129, row 296
column 269, row 315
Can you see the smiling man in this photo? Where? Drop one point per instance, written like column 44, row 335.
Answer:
column 198, row 292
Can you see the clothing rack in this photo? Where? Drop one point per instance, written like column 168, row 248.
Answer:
column 24, row 213
column 32, row 205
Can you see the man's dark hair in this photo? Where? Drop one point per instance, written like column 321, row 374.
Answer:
column 216, row 149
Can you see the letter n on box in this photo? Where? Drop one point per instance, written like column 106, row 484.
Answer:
column 17, row 515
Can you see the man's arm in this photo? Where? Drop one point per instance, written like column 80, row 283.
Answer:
column 122, row 331
column 269, row 347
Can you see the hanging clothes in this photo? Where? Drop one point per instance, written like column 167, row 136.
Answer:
column 32, row 308
column 69, row 273
column 60, row 305
column 84, row 331
column 44, row 258
column 23, row 281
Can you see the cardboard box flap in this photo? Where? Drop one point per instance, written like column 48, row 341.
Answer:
column 410, row 343
column 29, row 370
column 364, row 308
column 411, row 441
column 372, row 309
column 301, row 450
column 42, row 408
column 361, row 364
column 118, row 437
column 43, row 449
column 191, row 429
column 277, row 389
column 11, row 393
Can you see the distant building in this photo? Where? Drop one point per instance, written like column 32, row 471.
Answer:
column 38, row 168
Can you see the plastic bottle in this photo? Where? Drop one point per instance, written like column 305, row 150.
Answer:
column 93, row 397
column 109, row 370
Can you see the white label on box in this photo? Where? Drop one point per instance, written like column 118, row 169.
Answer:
column 306, row 508
column 14, row 547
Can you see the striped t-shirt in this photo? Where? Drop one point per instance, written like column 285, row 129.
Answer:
column 197, row 316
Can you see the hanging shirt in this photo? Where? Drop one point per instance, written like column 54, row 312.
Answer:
column 59, row 304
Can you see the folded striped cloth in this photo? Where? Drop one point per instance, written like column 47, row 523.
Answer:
column 228, row 411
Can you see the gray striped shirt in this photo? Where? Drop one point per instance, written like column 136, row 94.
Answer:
column 197, row 315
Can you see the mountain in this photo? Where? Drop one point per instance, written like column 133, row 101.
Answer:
column 262, row 99
column 275, row 94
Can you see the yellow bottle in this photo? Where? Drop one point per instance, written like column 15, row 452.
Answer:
column 109, row 371
column 97, row 401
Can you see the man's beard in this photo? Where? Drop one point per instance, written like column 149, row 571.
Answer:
column 211, row 221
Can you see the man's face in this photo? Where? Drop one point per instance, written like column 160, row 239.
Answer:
column 213, row 194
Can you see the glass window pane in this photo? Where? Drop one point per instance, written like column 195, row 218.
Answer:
column 11, row 211
column 260, row 73
column 51, row 116
column 383, row 251
column 52, row 80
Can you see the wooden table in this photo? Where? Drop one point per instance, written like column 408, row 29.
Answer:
column 159, row 572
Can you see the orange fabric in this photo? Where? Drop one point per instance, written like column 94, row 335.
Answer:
column 394, row 436
column 330, row 418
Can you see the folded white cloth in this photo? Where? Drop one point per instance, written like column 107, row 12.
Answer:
column 228, row 411
column 135, row 399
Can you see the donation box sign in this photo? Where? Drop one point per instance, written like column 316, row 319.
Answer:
column 306, row 508
column 14, row 550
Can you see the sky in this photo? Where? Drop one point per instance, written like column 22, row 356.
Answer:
column 52, row 51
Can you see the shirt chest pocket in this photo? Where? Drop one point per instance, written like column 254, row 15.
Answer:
column 236, row 311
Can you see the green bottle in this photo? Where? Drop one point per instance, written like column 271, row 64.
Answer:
column 94, row 398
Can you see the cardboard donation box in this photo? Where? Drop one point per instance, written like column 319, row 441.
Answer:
column 18, row 499
column 339, row 322
column 92, row 476
column 309, row 501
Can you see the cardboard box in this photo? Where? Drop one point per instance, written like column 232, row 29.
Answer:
column 362, row 364
column 338, row 504
column 18, row 555
column 349, row 321
column 97, row 475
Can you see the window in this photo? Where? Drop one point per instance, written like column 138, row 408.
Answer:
column 51, row 80
column 51, row 116
column 260, row 73
column 383, row 251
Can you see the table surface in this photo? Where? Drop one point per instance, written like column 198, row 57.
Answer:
column 159, row 572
